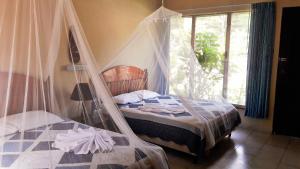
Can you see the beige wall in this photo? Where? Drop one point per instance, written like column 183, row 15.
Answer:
column 183, row 5
column 108, row 23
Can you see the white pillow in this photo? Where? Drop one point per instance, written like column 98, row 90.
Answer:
column 32, row 119
column 146, row 94
column 127, row 98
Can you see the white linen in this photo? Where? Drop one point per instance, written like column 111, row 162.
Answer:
column 7, row 128
column 203, row 118
column 135, row 96
column 165, row 108
column 127, row 98
column 146, row 94
column 84, row 141
column 26, row 120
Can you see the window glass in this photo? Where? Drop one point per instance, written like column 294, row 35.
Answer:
column 210, row 37
column 237, row 69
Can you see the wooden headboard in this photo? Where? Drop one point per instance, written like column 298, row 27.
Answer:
column 124, row 79
column 17, row 94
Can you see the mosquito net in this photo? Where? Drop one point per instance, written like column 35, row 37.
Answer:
column 161, row 46
column 52, row 95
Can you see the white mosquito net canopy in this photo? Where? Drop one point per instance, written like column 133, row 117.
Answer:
column 162, row 46
column 48, row 77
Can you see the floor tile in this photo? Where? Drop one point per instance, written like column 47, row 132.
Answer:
column 292, row 158
column 279, row 141
column 294, row 144
column 240, row 136
column 270, row 152
column 287, row 166
column 249, row 149
column 246, row 149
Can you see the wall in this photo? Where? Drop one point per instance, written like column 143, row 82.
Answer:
column 184, row 5
column 109, row 23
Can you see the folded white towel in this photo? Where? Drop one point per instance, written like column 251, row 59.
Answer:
column 84, row 141
column 165, row 108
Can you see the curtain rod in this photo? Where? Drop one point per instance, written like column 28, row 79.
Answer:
column 222, row 6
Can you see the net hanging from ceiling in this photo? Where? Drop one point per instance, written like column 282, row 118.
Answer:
column 161, row 46
column 48, row 77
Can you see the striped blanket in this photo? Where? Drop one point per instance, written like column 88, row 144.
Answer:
column 207, row 119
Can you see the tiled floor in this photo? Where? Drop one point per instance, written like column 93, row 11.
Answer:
column 245, row 149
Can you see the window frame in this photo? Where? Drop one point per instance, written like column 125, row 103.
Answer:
column 228, row 14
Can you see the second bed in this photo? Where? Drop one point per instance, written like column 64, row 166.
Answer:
column 152, row 117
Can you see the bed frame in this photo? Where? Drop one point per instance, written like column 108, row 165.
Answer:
column 17, row 89
column 124, row 79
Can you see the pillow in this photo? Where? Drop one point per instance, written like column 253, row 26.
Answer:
column 127, row 98
column 146, row 94
column 32, row 119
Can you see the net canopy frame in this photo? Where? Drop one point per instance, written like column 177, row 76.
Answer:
column 35, row 91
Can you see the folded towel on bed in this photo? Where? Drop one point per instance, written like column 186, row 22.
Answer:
column 84, row 141
column 162, row 108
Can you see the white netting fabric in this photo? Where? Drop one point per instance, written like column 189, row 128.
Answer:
column 161, row 42
column 161, row 45
column 43, row 86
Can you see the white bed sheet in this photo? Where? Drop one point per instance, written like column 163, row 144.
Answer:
column 25, row 121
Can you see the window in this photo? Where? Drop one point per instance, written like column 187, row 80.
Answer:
column 238, row 52
column 220, row 42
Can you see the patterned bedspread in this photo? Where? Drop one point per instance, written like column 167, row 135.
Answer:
column 37, row 152
column 221, row 116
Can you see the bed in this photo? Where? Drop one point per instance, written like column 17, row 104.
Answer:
column 39, row 131
column 38, row 152
column 177, row 131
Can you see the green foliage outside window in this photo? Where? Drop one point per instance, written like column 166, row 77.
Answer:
column 208, row 55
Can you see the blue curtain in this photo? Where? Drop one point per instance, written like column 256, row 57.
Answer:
column 164, row 41
column 260, row 56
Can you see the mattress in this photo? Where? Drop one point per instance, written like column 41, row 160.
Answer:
column 180, row 126
column 37, row 152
